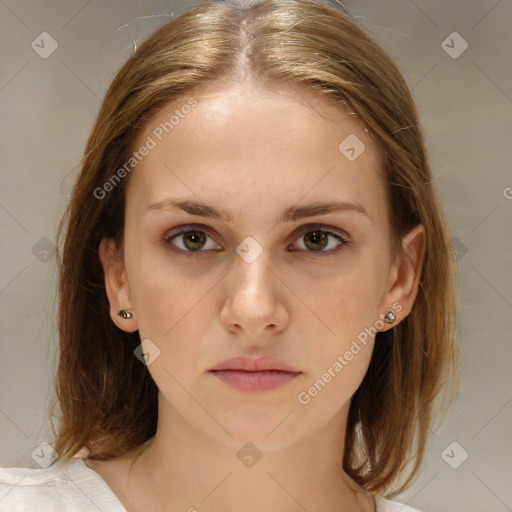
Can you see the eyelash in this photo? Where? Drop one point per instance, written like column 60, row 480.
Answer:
column 345, row 241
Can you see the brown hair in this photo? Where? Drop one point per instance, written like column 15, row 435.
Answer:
column 106, row 397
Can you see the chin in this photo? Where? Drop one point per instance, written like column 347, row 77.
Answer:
column 269, row 429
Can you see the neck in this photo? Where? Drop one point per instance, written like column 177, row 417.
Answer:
column 182, row 468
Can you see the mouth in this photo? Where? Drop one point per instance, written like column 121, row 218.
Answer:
column 261, row 380
column 261, row 374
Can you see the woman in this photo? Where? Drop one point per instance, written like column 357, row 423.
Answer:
column 257, row 284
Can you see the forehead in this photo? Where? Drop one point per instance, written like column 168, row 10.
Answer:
column 280, row 144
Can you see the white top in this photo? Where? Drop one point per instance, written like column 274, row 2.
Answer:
column 70, row 485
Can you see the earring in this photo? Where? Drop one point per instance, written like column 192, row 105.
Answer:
column 390, row 316
column 125, row 314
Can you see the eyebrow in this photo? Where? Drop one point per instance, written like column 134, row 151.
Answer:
column 295, row 212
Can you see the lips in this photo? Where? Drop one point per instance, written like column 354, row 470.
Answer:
column 262, row 374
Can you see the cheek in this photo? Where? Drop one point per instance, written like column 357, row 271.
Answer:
column 164, row 297
column 174, row 304
column 173, row 312
column 339, row 344
column 342, row 303
column 335, row 383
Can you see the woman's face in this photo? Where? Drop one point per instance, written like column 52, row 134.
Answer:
column 264, row 272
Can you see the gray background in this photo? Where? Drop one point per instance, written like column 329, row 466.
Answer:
column 48, row 106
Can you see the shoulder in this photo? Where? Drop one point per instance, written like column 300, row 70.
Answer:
column 384, row 505
column 65, row 486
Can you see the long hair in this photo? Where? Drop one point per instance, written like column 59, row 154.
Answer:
column 107, row 400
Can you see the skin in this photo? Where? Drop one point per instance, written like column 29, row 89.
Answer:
column 253, row 153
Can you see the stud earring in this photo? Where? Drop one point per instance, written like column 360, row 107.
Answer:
column 390, row 316
column 125, row 314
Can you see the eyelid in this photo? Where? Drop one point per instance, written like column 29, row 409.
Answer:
column 189, row 227
column 322, row 227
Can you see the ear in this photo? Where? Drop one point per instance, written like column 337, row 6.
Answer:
column 116, row 285
column 402, row 287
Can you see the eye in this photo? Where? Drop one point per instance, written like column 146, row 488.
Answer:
column 317, row 239
column 190, row 240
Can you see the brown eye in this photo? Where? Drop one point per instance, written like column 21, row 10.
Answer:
column 189, row 241
column 312, row 239
column 315, row 240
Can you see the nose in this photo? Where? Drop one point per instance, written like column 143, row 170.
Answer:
column 255, row 298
